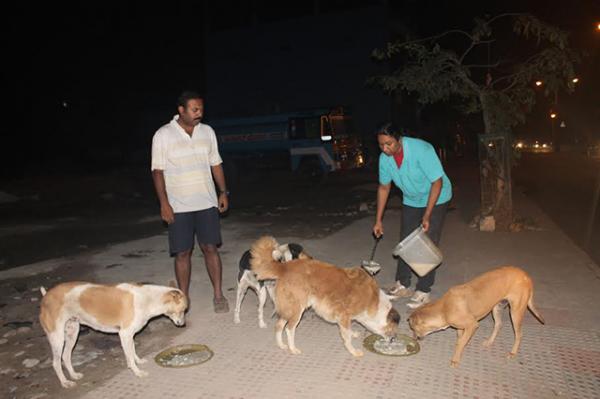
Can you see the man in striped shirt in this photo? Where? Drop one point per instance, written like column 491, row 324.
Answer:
column 185, row 167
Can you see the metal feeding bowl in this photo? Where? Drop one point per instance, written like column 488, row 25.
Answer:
column 371, row 266
column 184, row 356
column 400, row 345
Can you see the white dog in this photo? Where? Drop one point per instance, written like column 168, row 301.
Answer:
column 122, row 308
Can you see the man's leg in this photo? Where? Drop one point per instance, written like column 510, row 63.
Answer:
column 215, row 271
column 183, row 270
column 214, row 267
column 181, row 246
column 208, row 231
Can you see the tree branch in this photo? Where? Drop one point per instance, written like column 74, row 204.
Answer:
column 474, row 43
column 435, row 37
column 529, row 66
column 508, row 14
column 510, row 86
column 482, row 65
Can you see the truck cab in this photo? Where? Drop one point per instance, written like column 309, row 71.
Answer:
column 313, row 142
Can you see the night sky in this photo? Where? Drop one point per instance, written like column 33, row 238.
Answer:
column 88, row 83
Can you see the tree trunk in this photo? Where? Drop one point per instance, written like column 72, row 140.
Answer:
column 495, row 160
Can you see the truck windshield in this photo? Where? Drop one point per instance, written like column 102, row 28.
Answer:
column 304, row 128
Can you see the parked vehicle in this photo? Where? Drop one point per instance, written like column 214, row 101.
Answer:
column 313, row 142
column 534, row 145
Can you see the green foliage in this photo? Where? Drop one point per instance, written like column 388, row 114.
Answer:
column 436, row 73
column 528, row 25
column 432, row 73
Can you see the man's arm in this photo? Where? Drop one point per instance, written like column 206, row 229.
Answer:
column 219, row 176
column 166, row 211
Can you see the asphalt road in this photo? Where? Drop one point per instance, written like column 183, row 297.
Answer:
column 60, row 216
column 562, row 185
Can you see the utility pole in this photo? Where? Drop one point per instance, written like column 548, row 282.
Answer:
column 555, row 138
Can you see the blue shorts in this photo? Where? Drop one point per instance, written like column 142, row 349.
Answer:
column 204, row 224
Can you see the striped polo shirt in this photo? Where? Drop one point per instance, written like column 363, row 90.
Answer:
column 186, row 162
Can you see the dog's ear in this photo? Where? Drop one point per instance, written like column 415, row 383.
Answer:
column 393, row 316
column 413, row 320
column 175, row 296
column 295, row 250
column 172, row 284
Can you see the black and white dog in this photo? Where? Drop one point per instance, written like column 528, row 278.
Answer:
column 247, row 279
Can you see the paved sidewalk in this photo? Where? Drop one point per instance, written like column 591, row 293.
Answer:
column 560, row 359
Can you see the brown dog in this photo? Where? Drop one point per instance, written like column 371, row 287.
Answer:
column 338, row 295
column 464, row 305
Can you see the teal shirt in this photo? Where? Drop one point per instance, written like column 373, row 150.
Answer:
column 420, row 167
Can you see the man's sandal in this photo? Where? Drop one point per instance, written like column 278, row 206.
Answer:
column 221, row 305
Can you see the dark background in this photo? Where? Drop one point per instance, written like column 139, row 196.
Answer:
column 86, row 85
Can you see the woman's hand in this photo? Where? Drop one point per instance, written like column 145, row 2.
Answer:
column 378, row 229
column 434, row 194
column 425, row 223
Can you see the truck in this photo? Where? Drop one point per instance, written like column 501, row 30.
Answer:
column 310, row 142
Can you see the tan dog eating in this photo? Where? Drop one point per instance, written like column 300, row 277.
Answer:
column 338, row 295
column 464, row 305
column 122, row 308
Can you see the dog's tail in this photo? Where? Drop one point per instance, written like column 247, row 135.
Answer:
column 43, row 291
column 262, row 262
column 535, row 312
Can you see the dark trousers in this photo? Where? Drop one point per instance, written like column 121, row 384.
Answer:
column 411, row 219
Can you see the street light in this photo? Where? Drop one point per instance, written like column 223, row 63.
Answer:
column 575, row 80
column 538, row 82
column 554, row 138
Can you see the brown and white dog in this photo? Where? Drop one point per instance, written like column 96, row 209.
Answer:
column 122, row 308
column 338, row 295
column 464, row 305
